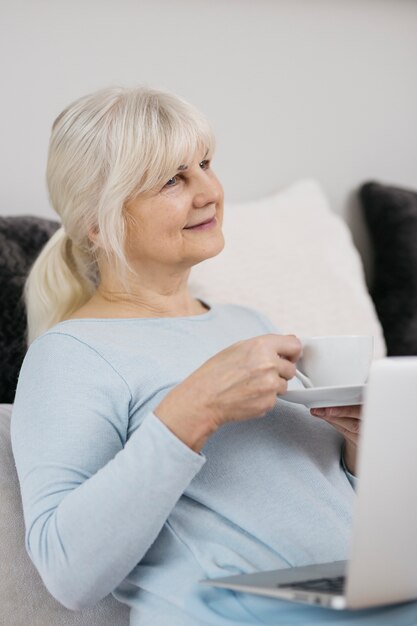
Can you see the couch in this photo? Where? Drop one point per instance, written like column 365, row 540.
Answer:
column 288, row 255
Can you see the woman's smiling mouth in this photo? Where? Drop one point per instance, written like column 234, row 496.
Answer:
column 203, row 225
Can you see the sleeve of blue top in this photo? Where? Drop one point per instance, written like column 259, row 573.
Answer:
column 93, row 502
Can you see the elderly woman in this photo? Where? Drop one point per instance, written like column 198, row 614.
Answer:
column 151, row 443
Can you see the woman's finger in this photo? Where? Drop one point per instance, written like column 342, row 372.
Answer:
column 350, row 424
column 286, row 369
column 338, row 411
column 350, row 431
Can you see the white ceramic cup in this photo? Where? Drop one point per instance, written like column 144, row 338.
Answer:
column 336, row 360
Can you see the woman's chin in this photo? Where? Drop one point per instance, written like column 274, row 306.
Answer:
column 208, row 255
column 211, row 251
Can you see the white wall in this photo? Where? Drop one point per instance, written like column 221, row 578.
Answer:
column 323, row 88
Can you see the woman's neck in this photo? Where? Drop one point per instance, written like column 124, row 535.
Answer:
column 128, row 304
column 149, row 294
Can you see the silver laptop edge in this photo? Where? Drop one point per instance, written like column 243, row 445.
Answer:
column 383, row 564
column 266, row 583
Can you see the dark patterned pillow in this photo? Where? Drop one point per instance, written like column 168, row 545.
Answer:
column 21, row 240
column 391, row 215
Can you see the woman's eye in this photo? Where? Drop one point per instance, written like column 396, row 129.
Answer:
column 205, row 164
column 171, row 182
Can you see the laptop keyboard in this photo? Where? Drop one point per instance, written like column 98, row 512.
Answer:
column 322, row 585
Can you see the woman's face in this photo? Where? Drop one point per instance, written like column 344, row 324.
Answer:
column 178, row 224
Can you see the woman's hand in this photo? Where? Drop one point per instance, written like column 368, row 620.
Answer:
column 346, row 420
column 238, row 383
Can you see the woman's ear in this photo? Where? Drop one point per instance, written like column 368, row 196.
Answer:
column 94, row 235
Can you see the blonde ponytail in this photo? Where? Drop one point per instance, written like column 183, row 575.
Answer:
column 105, row 149
column 59, row 282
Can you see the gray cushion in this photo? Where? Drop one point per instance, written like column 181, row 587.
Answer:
column 24, row 599
column 21, row 239
column 391, row 215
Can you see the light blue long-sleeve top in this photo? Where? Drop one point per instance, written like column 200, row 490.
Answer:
column 115, row 502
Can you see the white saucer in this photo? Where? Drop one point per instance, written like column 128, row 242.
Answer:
column 317, row 397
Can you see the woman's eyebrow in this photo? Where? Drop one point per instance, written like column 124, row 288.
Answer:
column 182, row 168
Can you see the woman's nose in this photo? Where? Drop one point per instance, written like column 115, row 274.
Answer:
column 208, row 191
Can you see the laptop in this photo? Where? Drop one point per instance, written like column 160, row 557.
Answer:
column 382, row 568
